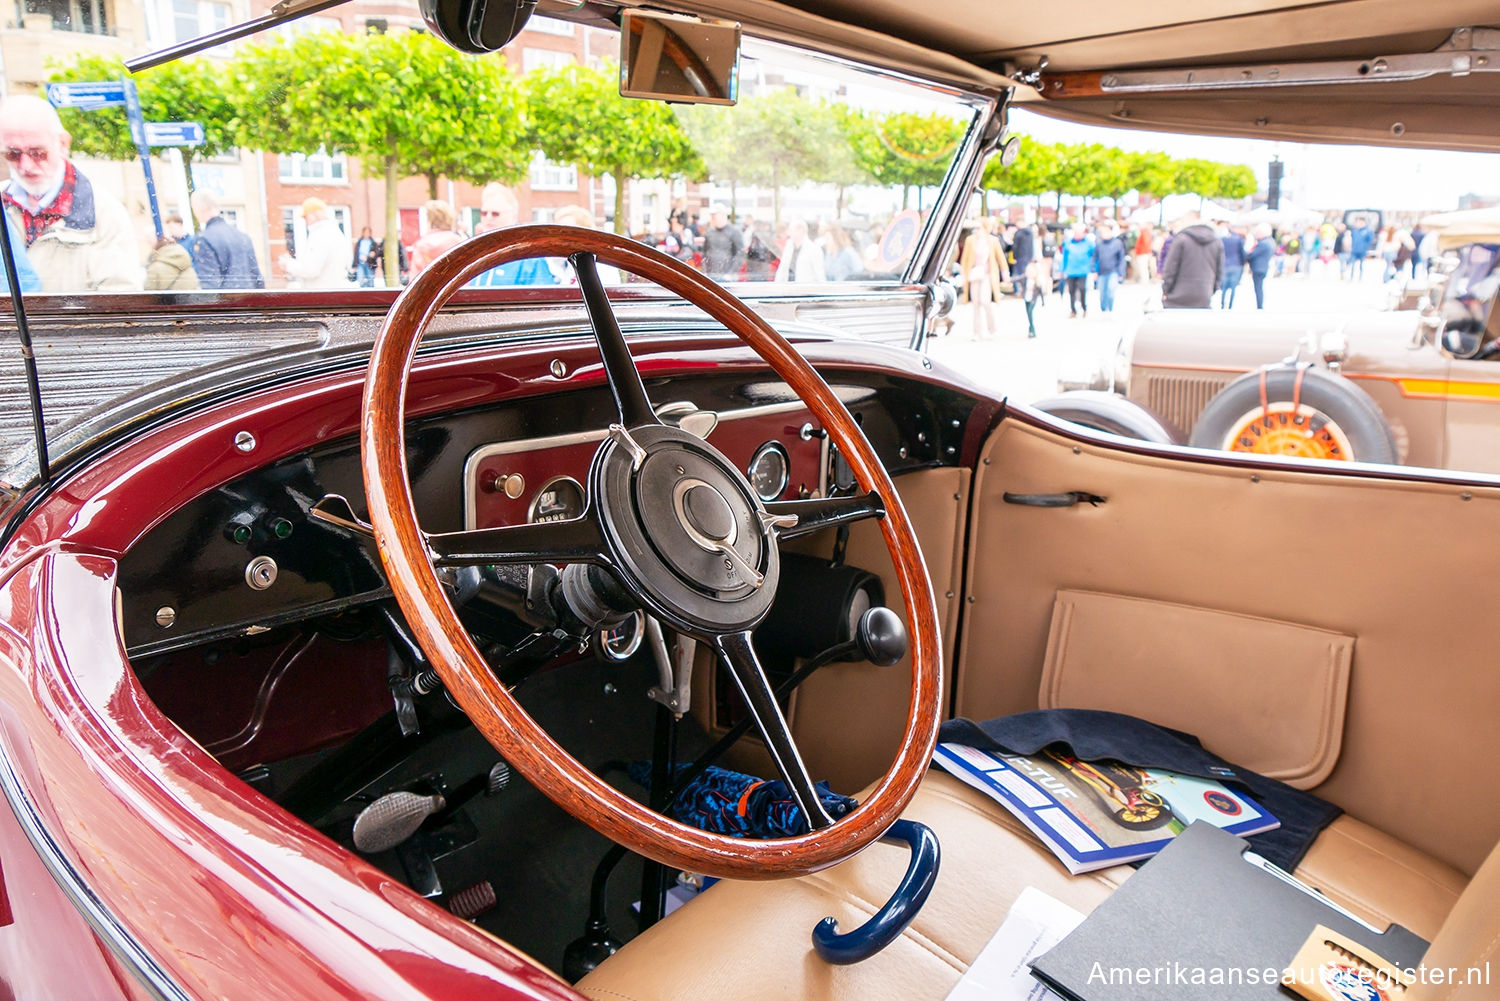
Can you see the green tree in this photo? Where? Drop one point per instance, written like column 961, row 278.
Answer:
column 423, row 109
column 906, row 149
column 1152, row 174
column 1235, row 181
column 191, row 91
column 578, row 116
column 1195, row 177
column 1030, row 175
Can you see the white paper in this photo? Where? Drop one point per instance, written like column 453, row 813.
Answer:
column 1035, row 923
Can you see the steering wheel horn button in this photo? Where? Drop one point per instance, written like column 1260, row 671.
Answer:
column 704, row 513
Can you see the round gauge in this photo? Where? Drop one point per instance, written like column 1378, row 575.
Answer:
column 768, row 471
column 559, row 499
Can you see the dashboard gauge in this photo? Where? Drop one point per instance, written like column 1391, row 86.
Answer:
column 559, row 499
column 768, row 471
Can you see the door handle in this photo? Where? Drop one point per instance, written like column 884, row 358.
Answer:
column 1068, row 499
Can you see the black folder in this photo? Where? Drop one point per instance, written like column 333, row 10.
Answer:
column 1200, row 905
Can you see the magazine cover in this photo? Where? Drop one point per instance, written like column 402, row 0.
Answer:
column 1094, row 814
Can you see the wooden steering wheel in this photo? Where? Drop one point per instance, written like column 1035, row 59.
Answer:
column 674, row 522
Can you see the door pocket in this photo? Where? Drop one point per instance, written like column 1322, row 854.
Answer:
column 1263, row 693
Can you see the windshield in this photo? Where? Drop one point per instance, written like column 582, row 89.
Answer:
column 343, row 151
column 328, row 161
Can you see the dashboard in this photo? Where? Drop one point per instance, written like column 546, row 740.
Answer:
column 247, row 558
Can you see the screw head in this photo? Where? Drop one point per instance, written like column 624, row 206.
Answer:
column 244, row 441
column 558, row 368
column 166, row 615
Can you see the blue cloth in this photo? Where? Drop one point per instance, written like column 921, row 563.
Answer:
column 1361, row 238
column 1024, row 249
column 1078, row 258
column 1107, row 282
column 739, row 805
column 1095, row 735
column 532, row 271
column 225, row 257
column 1260, row 256
column 1234, row 253
column 1109, row 256
column 30, row 280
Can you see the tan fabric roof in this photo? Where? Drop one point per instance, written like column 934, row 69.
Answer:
column 980, row 41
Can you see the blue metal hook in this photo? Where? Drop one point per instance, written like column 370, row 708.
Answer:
column 891, row 920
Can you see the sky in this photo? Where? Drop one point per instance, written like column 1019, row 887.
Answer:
column 1317, row 176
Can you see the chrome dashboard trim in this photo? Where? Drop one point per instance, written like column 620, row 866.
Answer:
column 471, row 464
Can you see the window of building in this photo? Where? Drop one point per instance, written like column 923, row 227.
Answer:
column 549, row 176
column 544, row 215
column 195, row 18
column 88, row 16
column 550, row 26
column 231, row 216
column 313, row 168
column 538, row 59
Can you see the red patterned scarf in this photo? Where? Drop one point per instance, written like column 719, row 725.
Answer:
column 39, row 220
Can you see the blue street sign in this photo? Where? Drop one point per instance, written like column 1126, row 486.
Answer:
column 87, row 96
column 174, row 134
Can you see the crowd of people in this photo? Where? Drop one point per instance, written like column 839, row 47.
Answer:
column 1198, row 264
column 747, row 249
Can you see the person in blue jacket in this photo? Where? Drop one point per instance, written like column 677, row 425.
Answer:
column 1109, row 264
column 1234, row 265
column 1259, row 260
column 30, row 280
column 1361, row 239
column 1077, row 265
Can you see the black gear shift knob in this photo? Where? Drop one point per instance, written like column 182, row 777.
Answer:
column 881, row 636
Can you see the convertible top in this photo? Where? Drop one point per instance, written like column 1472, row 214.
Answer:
column 982, row 43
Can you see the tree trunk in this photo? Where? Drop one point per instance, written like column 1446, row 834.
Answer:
column 734, row 199
column 621, row 223
column 392, row 262
column 1059, row 206
column 838, row 202
column 432, row 180
column 905, row 196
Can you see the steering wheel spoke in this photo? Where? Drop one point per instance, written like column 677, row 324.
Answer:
column 738, row 653
column 578, row 540
column 624, row 378
column 824, row 512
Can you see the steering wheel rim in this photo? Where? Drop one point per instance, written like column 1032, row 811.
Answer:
column 409, row 558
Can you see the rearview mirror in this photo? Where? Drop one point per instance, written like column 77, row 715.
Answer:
column 679, row 59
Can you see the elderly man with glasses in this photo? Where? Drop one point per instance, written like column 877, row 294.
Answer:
column 498, row 208
column 78, row 237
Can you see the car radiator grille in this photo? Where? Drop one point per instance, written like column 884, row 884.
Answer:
column 1178, row 399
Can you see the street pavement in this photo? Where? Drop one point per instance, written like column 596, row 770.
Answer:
column 1026, row 370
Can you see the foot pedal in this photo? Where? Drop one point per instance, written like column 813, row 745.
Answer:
column 392, row 819
column 473, row 901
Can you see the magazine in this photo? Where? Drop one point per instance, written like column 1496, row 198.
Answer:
column 1094, row 814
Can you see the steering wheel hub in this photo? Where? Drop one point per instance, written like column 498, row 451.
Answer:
column 687, row 531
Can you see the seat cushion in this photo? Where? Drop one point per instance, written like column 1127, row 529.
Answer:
column 753, row 940
column 1381, row 879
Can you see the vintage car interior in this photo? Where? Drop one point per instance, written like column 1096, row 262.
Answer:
column 332, row 670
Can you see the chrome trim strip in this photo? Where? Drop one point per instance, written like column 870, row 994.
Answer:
column 147, row 971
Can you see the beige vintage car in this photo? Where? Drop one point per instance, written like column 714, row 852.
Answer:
column 1411, row 386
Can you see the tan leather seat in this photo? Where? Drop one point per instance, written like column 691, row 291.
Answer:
column 752, row 940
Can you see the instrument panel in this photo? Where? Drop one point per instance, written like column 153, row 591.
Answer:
column 779, row 447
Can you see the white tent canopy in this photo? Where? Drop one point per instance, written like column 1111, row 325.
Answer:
column 1288, row 215
column 1174, row 207
column 1455, row 229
